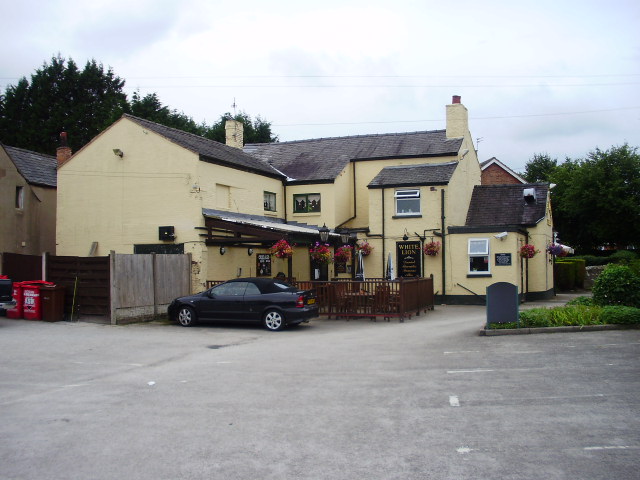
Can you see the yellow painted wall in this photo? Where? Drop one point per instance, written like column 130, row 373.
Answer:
column 30, row 230
column 119, row 202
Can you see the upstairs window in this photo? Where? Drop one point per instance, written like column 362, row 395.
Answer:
column 19, row 198
column 269, row 201
column 478, row 256
column 407, row 202
column 307, row 202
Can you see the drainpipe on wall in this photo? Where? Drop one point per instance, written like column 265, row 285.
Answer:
column 444, row 244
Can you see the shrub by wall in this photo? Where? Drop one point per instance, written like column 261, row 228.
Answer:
column 617, row 285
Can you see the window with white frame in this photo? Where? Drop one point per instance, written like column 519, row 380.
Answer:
column 478, row 256
column 407, row 202
column 19, row 198
column 270, row 201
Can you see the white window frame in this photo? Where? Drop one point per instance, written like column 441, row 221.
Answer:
column 407, row 194
column 19, row 198
column 268, row 206
column 478, row 248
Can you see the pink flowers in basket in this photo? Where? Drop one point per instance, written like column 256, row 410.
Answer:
column 528, row 251
column 343, row 254
column 282, row 249
column 432, row 248
column 364, row 247
column 320, row 253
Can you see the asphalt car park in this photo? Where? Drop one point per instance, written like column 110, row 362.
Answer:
column 427, row 398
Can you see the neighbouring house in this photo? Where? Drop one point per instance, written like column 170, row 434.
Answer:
column 27, row 201
column 494, row 172
column 140, row 187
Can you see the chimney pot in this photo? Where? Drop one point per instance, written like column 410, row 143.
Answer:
column 63, row 152
column 456, row 99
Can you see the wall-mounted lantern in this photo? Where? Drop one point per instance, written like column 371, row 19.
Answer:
column 324, row 233
column 222, row 250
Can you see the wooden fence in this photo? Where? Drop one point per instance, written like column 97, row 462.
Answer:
column 372, row 298
column 145, row 284
column 118, row 288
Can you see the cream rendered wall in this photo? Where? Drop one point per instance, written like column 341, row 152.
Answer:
column 327, row 214
column 245, row 190
column 366, row 170
column 32, row 229
column 119, row 202
column 384, row 241
column 457, row 264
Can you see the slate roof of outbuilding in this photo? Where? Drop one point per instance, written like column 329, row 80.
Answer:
column 324, row 158
column 504, row 205
column 208, row 149
column 36, row 168
column 407, row 175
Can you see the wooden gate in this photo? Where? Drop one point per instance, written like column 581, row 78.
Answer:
column 86, row 281
column 20, row 268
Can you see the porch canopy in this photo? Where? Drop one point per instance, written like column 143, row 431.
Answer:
column 228, row 228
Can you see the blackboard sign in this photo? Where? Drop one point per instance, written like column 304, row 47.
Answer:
column 503, row 259
column 263, row 266
column 409, row 257
column 341, row 267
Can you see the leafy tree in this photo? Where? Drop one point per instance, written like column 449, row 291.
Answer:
column 151, row 108
column 539, row 168
column 596, row 201
column 60, row 97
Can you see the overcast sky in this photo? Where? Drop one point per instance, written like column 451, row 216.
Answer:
column 560, row 77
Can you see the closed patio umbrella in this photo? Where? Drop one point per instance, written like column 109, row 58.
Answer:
column 389, row 274
column 360, row 267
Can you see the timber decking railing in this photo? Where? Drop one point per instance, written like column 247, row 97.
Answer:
column 372, row 298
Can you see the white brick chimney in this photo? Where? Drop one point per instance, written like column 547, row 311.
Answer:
column 234, row 131
column 457, row 118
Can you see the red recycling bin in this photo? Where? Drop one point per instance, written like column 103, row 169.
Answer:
column 16, row 311
column 32, row 305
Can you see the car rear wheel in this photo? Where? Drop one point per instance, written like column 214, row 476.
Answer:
column 186, row 316
column 273, row 320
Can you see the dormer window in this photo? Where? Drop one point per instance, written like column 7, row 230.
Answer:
column 407, row 202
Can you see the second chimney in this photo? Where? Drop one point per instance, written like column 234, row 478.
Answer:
column 457, row 118
column 234, row 131
column 63, row 152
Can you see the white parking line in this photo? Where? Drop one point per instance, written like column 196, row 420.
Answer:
column 454, row 401
column 477, row 370
column 613, row 447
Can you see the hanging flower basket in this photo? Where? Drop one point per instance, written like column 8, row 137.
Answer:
column 282, row 249
column 343, row 254
column 364, row 247
column 432, row 248
column 528, row 251
column 320, row 253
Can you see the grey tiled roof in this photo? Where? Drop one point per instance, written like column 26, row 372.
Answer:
column 208, row 149
column 406, row 175
column 505, row 205
column 36, row 168
column 324, row 158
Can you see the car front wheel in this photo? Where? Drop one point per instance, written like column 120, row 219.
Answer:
column 186, row 316
column 273, row 320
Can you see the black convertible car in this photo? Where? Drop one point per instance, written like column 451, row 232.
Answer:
column 274, row 303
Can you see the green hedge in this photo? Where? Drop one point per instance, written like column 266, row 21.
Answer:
column 565, row 275
column 574, row 315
